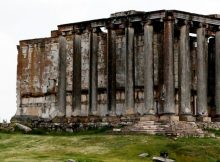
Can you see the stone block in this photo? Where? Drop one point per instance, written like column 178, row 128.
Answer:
column 204, row 119
column 188, row 118
column 149, row 118
column 169, row 118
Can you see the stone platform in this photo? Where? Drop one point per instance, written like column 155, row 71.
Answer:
column 127, row 125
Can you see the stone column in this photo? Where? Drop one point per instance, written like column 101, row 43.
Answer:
column 129, row 71
column 185, row 74
column 202, row 107
column 62, row 77
column 111, row 69
column 77, row 74
column 168, row 49
column 148, row 69
column 93, row 72
column 217, row 73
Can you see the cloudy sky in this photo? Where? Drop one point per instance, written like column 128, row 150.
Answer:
column 25, row 19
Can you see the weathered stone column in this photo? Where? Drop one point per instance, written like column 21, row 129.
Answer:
column 129, row 71
column 217, row 73
column 185, row 74
column 111, row 62
column 202, row 108
column 93, row 72
column 169, row 105
column 148, row 69
column 77, row 74
column 62, row 77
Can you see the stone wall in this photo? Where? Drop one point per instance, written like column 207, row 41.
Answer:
column 37, row 77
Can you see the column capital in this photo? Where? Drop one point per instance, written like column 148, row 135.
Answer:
column 77, row 31
column 184, row 22
column 200, row 25
column 95, row 29
column 169, row 18
column 147, row 22
column 217, row 28
column 110, row 26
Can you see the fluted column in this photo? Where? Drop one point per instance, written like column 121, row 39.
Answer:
column 185, row 72
column 217, row 73
column 111, row 62
column 169, row 105
column 76, row 102
column 129, row 71
column 148, row 69
column 93, row 72
column 201, row 73
column 62, row 77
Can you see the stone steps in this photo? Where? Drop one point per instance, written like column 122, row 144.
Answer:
column 149, row 127
column 177, row 128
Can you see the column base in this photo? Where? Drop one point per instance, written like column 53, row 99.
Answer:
column 129, row 111
column 93, row 113
column 168, row 117
column 149, row 117
column 188, row 118
column 203, row 119
column 76, row 113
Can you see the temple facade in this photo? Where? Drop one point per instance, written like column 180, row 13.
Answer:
column 162, row 64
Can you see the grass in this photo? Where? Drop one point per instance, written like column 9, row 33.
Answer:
column 101, row 147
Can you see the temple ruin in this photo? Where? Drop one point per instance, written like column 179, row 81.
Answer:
column 163, row 65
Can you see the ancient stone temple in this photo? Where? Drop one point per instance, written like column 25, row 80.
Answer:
column 164, row 65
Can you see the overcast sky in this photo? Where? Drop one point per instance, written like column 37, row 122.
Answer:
column 27, row 19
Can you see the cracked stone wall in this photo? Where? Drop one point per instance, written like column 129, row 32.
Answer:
column 37, row 77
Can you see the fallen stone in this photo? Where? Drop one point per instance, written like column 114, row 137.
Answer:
column 116, row 130
column 161, row 159
column 23, row 127
column 71, row 160
column 143, row 155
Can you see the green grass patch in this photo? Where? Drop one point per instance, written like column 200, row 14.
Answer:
column 101, row 147
column 216, row 132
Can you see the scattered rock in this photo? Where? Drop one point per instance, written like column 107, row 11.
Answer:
column 143, row 155
column 161, row 159
column 23, row 127
column 71, row 160
column 116, row 130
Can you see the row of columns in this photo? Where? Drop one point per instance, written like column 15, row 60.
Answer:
column 168, row 52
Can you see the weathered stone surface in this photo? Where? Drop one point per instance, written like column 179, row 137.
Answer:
column 132, row 64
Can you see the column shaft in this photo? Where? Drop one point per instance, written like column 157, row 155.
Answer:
column 93, row 73
column 62, row 77
column 77, row 74
column 111, row 89
column 169, row 105
column 129, row 71
column 148, row 69
column 185, row 72
column 217, row 72
column 201, row 73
